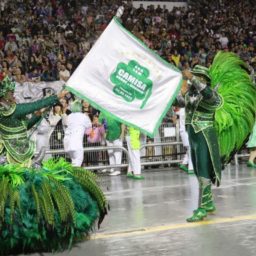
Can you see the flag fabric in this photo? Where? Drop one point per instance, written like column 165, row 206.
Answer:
column 122, row 76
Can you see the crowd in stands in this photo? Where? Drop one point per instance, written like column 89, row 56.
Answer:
column 46, row 39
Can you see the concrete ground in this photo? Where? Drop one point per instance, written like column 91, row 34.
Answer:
column 147, row 217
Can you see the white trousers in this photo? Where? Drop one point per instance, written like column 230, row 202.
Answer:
column 42, row 140
column 157, row 139
column 134, row 155
column 143, row 140
column 115, row 155
column 77, row 157
column 187, row 158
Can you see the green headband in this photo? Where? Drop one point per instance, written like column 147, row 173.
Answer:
column 201, row 71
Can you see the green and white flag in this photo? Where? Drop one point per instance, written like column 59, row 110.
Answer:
column 122, row 76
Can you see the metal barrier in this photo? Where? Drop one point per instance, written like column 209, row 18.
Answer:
column 164, row 148
column 103, row 148
column 165, row 161
column 95, row 149
column 239, row 156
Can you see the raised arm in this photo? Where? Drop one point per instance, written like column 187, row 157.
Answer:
column 24, row 109
column 209, row 95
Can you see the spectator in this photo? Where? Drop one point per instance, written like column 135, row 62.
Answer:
column 64, row 73
column 66, row 111
column 114, row 137
column 133, row 144
column 48, row 74
column 43, row 133
column 186, row 164
column 57, row 130
column 77, row 123
column 251, row 144
column 18, row 75
column 95, row 134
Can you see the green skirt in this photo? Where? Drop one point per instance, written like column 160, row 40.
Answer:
column 49, row 209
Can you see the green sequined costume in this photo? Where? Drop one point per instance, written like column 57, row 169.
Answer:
column 43, row 208
column 220, row 113
column 201, row 103
column 200, row 110
column 14, row 141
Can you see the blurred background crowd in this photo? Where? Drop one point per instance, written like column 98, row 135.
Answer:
column 46, row 39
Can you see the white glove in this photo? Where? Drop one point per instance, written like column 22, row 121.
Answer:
column 120, row 12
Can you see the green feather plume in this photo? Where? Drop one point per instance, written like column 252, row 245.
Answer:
column 47, row 209
column 235, row 118
column 89, row 181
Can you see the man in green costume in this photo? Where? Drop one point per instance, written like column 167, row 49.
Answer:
column 15, row 145
column 201, row 103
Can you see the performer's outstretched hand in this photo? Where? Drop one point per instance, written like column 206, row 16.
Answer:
column 40, row 112
column 120, row 12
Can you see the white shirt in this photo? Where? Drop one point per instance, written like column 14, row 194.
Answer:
column 77, row 123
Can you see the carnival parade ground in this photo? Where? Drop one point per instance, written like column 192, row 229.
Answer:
column 147, row 217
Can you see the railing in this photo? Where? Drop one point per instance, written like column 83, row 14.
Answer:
column 240, row 155
column 104, row 148
column 164, row 149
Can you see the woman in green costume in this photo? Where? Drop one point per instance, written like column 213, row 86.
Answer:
column 43, row 209
column 15, row 144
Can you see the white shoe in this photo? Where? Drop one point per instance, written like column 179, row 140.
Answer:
column 185, row 159
column 115, row 173
column 103, row 171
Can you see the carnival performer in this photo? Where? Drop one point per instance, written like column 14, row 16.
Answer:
column 133, row 145
column 44, row 209
column 15, row 145
column 77, row 124
column 217, row 126
column 201, row 104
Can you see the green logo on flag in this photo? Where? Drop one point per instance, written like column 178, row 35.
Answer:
column 131, row 82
